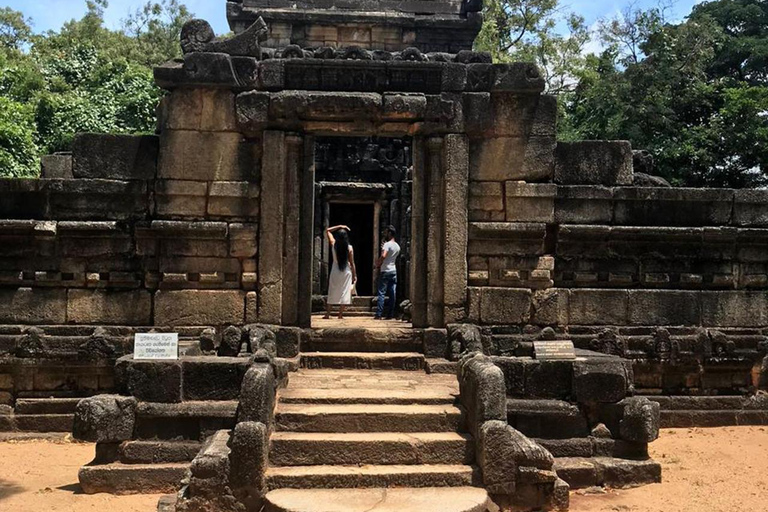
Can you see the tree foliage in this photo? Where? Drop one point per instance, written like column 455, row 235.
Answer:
column 83, row 77
column 693, row 93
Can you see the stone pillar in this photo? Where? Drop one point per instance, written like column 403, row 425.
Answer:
column 456, row 179
column 271, row 227
column 418, row 235
column 294, row 147
column 306, row 233
column 435, row 232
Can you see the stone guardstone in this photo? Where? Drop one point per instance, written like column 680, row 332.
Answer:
column 553, row 349
column 156, row 345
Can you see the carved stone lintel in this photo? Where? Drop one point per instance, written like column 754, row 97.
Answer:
column 198, row 36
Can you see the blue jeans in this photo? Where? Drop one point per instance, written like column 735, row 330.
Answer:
column 387, row 288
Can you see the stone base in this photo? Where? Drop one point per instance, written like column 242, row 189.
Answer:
column 132, row 478
column 428, row 499
column 581, row 472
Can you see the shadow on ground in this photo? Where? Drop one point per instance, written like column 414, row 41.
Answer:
column 8, row 489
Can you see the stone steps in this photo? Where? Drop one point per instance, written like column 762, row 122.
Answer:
column 323, row 448
column 118, row 478
column 430, row 396
column 371, row 379
column 157, row 452
column 581, row 472
column 426, row 499
column 46, row 405
column 37, row 423
column 411, row 361
column 332, row 477
column 393, row 338
column 190, row 420
column 40, row 415
column 368, row 418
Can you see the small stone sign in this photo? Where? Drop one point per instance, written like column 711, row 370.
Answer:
column 562, row 349
column 156, row 345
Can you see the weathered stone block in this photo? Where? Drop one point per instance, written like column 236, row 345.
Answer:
column 120, row 157
column 233, row 199
column 199, row 307
column 252, row 109
column 517, row 77
column 96, row 199
column 486, row 196
column 512, row 158
column 593, row 162
column 322, row 106
column 201, row 109
column 180, row 198
column 33, row 306
column 750, row 207
column 132, row 307
column 257, row 395
column 587, row 204
column 550, row 307
column 505, row 306
column 435, row 342
column 548, row 379
column 483, row 393
column 598, row 307
column 151, row 381
column 734, row 309
column 530, row 202
column 213, row 378
column 23, row 199
column 663, row 307
column 656, row 206
column 641, row 419
column 105, row 419
column 248, row 460
column 522, row 115
column 599, row 381
column 56, row 166
column 207, row 156
column 243, row 240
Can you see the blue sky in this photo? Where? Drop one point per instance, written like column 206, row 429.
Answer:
column 50, row 14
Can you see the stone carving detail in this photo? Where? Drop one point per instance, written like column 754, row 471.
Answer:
column 608, row 342
column 32, row 343
column 97, row 347
column 198, row 36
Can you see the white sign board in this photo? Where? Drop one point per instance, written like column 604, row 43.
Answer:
column 156, row 345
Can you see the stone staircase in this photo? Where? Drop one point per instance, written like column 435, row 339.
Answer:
column 41, row 415
column 383, row 436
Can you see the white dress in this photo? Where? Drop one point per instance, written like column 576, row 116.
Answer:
column 340, row 282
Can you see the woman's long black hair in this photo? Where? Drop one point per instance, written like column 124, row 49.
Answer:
column 342, row 248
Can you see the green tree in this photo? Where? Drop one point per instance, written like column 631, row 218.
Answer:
column 83, row 77
column 679, row 91
column 525, row 30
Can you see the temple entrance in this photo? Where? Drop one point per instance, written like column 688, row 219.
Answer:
column 364, row 183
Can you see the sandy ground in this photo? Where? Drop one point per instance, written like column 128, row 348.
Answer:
column 705, row 470
column 41, row 476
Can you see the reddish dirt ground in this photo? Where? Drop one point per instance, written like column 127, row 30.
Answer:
column 712, row 470
column 703, row 470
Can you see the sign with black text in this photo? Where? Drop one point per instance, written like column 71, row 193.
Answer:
column 562, row 349
column 156, row 345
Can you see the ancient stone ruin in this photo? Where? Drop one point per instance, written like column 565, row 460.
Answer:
column 376, row 113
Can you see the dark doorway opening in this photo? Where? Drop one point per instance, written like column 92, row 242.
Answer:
column 360, row 219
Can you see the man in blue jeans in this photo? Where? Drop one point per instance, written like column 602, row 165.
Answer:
column 386, row 264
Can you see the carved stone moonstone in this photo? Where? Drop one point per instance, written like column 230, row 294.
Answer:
column 198, row 36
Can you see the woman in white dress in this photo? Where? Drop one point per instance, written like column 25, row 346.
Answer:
column 343, row 273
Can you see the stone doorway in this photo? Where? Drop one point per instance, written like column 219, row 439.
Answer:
column 365, row 183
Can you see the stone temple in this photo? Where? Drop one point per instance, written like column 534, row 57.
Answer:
column 371, row 113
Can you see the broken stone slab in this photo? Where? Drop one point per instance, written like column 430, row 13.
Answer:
column 58, row 165
column 150, row 381
column 594, row 162
column 105, row 419
column 121, row 157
